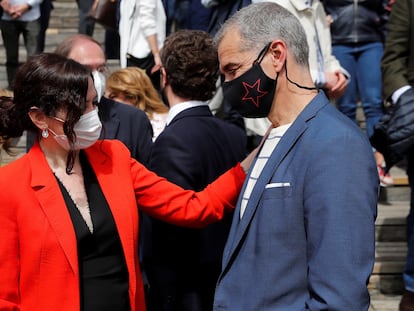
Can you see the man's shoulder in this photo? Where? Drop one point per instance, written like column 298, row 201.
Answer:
column 329, row 123
column 205, row 129
column 228, row 127
column 196, row 116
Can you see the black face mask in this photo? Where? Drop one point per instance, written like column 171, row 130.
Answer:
column 252, row 93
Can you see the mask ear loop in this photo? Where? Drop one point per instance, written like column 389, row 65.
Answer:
column 262, row 54
column 297, row 84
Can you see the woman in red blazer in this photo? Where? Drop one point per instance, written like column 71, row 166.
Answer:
column 68, row 208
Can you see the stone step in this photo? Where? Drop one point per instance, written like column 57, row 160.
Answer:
column 390, row 222
column 390, row 248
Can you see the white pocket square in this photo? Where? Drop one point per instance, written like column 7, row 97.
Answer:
column 277, row 185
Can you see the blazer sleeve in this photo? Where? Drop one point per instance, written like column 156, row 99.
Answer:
column 147, row 17
column 168, row 202
column 340, row 223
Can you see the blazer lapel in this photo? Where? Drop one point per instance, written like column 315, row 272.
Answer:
column 51, row 201
column 286, row 143
column 114, row 191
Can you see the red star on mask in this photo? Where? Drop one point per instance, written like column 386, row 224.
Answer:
column 253, row 92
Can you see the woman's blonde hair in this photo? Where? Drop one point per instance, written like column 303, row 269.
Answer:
column 6, row 92
column 135, row 85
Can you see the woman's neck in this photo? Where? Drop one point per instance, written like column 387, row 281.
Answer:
column 56, row 156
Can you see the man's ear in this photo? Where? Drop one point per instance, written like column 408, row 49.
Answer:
column 38, row 118
column 164, row 78
column 278, row 51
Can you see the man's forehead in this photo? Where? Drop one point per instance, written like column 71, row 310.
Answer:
column 231, row 52
column 88, row 54
column 227, row 46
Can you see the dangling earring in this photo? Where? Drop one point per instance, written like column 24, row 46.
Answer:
column 45, row 133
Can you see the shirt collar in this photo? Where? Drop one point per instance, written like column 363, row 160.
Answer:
column 181, row 107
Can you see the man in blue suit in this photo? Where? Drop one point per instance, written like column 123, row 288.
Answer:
column 182, row 264
column 303, row 232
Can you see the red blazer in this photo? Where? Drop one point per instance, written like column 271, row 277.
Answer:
column 38, row 252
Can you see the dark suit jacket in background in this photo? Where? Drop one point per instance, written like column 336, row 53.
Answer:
column 129, row 125
column 192, row 151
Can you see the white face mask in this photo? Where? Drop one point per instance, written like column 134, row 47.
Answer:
column 99, row 83
column 87, row 130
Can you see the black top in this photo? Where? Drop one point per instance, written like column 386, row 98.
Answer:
column 102, row 268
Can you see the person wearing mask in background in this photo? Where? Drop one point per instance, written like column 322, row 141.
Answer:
column 142, row 29
column 303, row 231
column 69, row 223
column 358, row 34
column 125, row 123
column 398, row 81
column 20, row 17
column 132, row 86
column 182, row 265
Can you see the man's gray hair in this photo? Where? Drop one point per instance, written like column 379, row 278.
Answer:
column 261, row 23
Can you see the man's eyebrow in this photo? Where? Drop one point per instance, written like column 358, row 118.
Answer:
column 92, row 66
column 230, row 67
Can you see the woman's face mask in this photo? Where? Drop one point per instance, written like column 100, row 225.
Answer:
column 87, row 130
column 252, row 93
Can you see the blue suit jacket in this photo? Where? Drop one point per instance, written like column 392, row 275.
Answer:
column 306, row 241
column 127, row 124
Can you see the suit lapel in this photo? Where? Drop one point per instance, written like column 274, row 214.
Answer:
column 283, row 148
column 51, row 201
column 285, row 144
